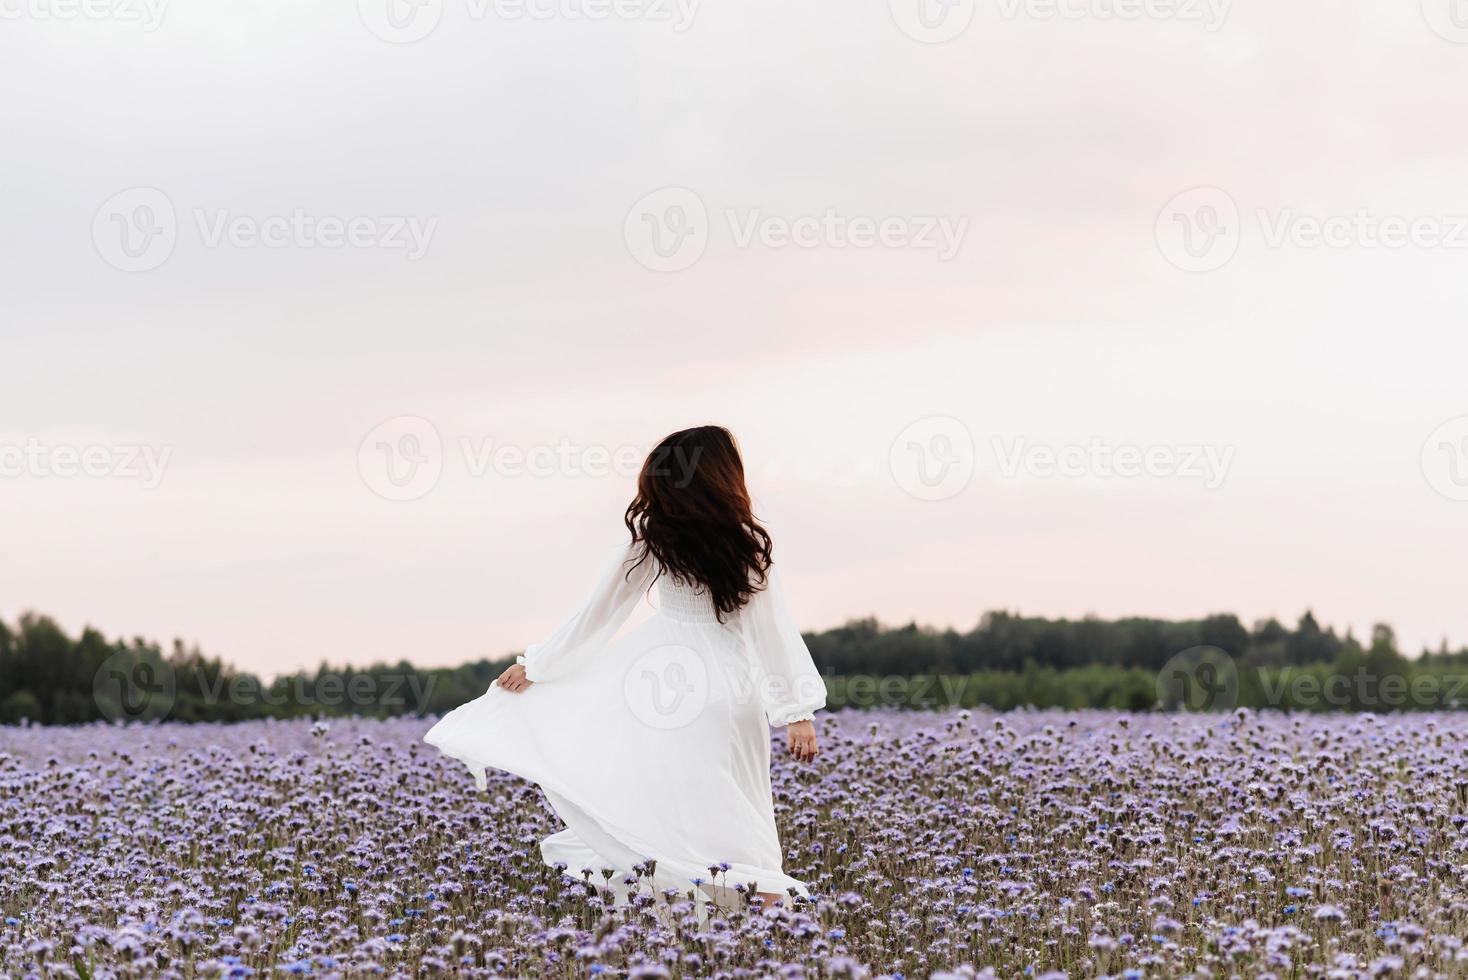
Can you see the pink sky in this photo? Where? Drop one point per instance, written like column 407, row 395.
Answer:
column 1325, row 376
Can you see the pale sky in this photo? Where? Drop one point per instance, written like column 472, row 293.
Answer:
column 503, row 284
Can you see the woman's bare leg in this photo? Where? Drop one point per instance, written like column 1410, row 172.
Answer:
column 770, row 898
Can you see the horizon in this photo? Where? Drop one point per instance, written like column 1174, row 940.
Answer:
column 167, row 644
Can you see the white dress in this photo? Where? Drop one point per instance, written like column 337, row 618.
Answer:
column 655, row 746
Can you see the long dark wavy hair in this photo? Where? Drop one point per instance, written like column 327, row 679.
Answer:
column 692, row 516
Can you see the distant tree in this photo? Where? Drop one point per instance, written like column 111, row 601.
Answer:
column 1225, row 632
column 1007, row 660
column 1383, row 658
column 20, row 706
column 1308, row 644
column 7, row 665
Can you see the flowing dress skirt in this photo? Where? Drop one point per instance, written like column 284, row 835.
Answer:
column 657, row 748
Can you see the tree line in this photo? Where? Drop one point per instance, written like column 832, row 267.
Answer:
column 1006, row 661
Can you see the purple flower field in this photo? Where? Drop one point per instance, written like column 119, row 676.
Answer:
column 1026, row 843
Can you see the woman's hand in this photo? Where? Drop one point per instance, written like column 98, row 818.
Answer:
column 802, row 738
column 514, row 679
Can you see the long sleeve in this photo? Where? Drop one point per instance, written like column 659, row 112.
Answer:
column 588, row 631
column 790, row 688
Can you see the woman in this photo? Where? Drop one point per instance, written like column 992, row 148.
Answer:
column 655, row 747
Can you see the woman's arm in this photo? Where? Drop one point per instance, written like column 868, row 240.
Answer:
column 588, row 631
column 790, row 688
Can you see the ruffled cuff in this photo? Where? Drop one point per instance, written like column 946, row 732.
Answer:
column 790, row 701
column 792, row 714
column 523, row 661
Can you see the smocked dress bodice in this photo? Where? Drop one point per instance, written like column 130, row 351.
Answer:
column 685, row 603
